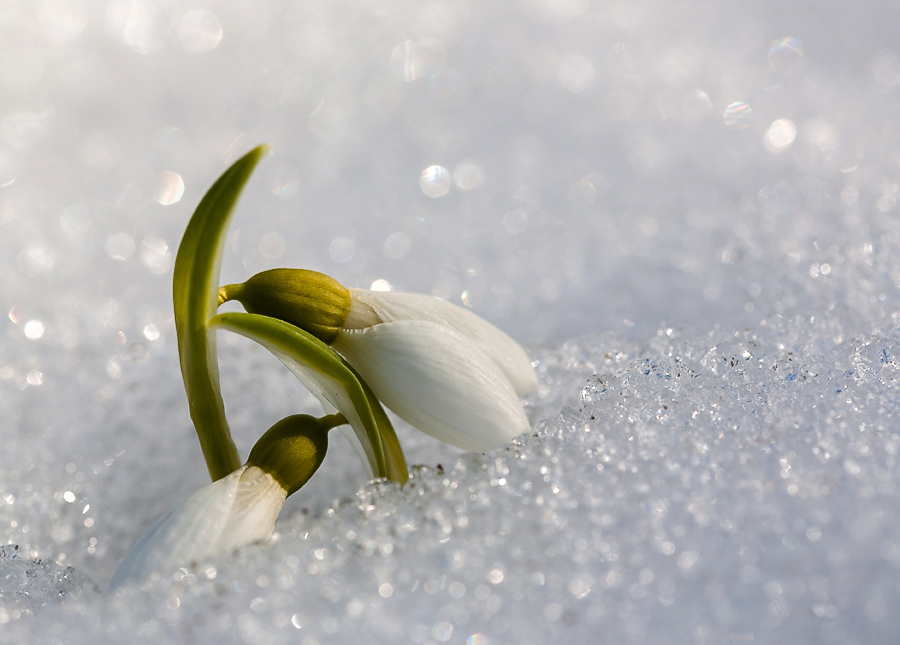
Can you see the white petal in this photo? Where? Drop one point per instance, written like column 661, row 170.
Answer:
column 229, row 513
column 435, row 379
column 257, row 503
column 392, row 306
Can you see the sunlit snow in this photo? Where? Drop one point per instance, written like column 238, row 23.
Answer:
column 687, row 212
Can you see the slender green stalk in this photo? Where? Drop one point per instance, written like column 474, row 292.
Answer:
column 195, row 287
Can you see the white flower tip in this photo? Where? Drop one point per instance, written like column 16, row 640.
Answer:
column 219, row 518
column 437, row 380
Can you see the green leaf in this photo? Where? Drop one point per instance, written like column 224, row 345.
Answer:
column 195, row 288
column 331, row 378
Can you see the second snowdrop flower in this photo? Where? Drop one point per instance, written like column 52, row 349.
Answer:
column 217, row 519
column 236, row 510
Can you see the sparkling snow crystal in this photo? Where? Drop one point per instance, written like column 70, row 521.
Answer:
column 26, row 585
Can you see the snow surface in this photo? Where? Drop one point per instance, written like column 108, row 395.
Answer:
column 686, row 211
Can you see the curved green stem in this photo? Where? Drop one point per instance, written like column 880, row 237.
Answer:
column 195, row 290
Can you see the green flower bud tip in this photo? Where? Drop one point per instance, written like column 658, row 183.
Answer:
column 309, row 300
column 293, row 449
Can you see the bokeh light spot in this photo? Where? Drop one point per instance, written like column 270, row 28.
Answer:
column 155, row 255
column 151, row 332
column 468, row 175
column 381, row 285
column 737, row 115
column 780, row 135
column 397, row 245
column 34, row 329
column 342, row 249
column 169, row 188
column 435, row 181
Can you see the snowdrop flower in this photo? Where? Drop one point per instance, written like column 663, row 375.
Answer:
column 438, row 366
column 236, row 510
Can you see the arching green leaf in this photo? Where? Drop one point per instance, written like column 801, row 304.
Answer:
column 195, row 287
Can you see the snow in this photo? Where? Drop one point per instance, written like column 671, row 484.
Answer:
column 687, row 212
